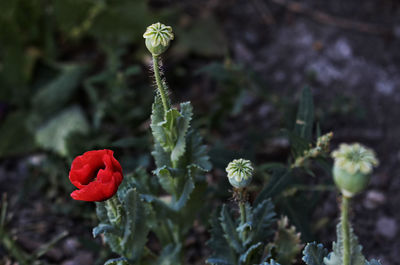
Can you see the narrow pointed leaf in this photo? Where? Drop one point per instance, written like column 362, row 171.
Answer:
column 252, row 251
column 305, row 115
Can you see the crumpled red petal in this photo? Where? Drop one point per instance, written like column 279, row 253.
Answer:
column 96, row 174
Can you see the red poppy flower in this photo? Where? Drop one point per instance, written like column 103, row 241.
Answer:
column 96, row 174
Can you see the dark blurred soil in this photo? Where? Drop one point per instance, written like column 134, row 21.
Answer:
column 348, row 51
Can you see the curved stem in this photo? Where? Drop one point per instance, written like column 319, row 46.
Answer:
column 159, row 83
column 345, row 230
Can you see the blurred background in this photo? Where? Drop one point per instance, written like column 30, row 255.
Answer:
column 75, row 76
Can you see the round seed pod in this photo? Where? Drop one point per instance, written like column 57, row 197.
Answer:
column 352, row 168
column 240, row 173
column 157, row 38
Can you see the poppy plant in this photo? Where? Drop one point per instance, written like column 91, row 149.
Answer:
column 96, row 174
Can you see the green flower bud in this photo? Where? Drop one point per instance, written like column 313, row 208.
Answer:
column 352, row 168
column 240, row 173
column 158, row 36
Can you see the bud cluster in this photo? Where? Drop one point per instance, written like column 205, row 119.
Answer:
column 321, row 148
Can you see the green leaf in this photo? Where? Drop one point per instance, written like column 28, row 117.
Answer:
column 57, row 92
column 305, row 115
column 53, row 135
column 314, row 254
column 335, row 257
column 170, row 255
column 170, row 128
column 136, row 229
column 230, row 232
column 182, row 128
column 196, row 152
column 161, row 157
column 175, row 126
column 114, row 242
column 222, row 253
column 262, row 218
column 118, row 261
column 103, row 228
column 168, row 182
column 287, row 243
column 248, row 256
column 185, row 194
column 169, row 125
column 101, row 212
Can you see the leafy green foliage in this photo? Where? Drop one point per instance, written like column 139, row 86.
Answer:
column 222, row 252
column 178, row 152
column 262, row 218
column 335, row 257
column 174, row 130
column 287, row 244
column 314, row 254
column 123, row 221
column 251, row 242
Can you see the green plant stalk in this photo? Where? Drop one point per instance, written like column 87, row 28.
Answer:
column 167, row 229
column 243, row 217
column 345, row 230
column 159, row 83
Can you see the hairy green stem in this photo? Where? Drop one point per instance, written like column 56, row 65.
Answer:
column 243, row 217
column 160, row 85
column 345, row 230
column 242, row 213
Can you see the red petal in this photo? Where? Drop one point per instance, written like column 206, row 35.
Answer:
column 95, row 191
column 97, row 175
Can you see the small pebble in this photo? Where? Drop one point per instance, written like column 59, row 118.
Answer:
column 386, row 227
column 373, row 199
column 71, row 245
